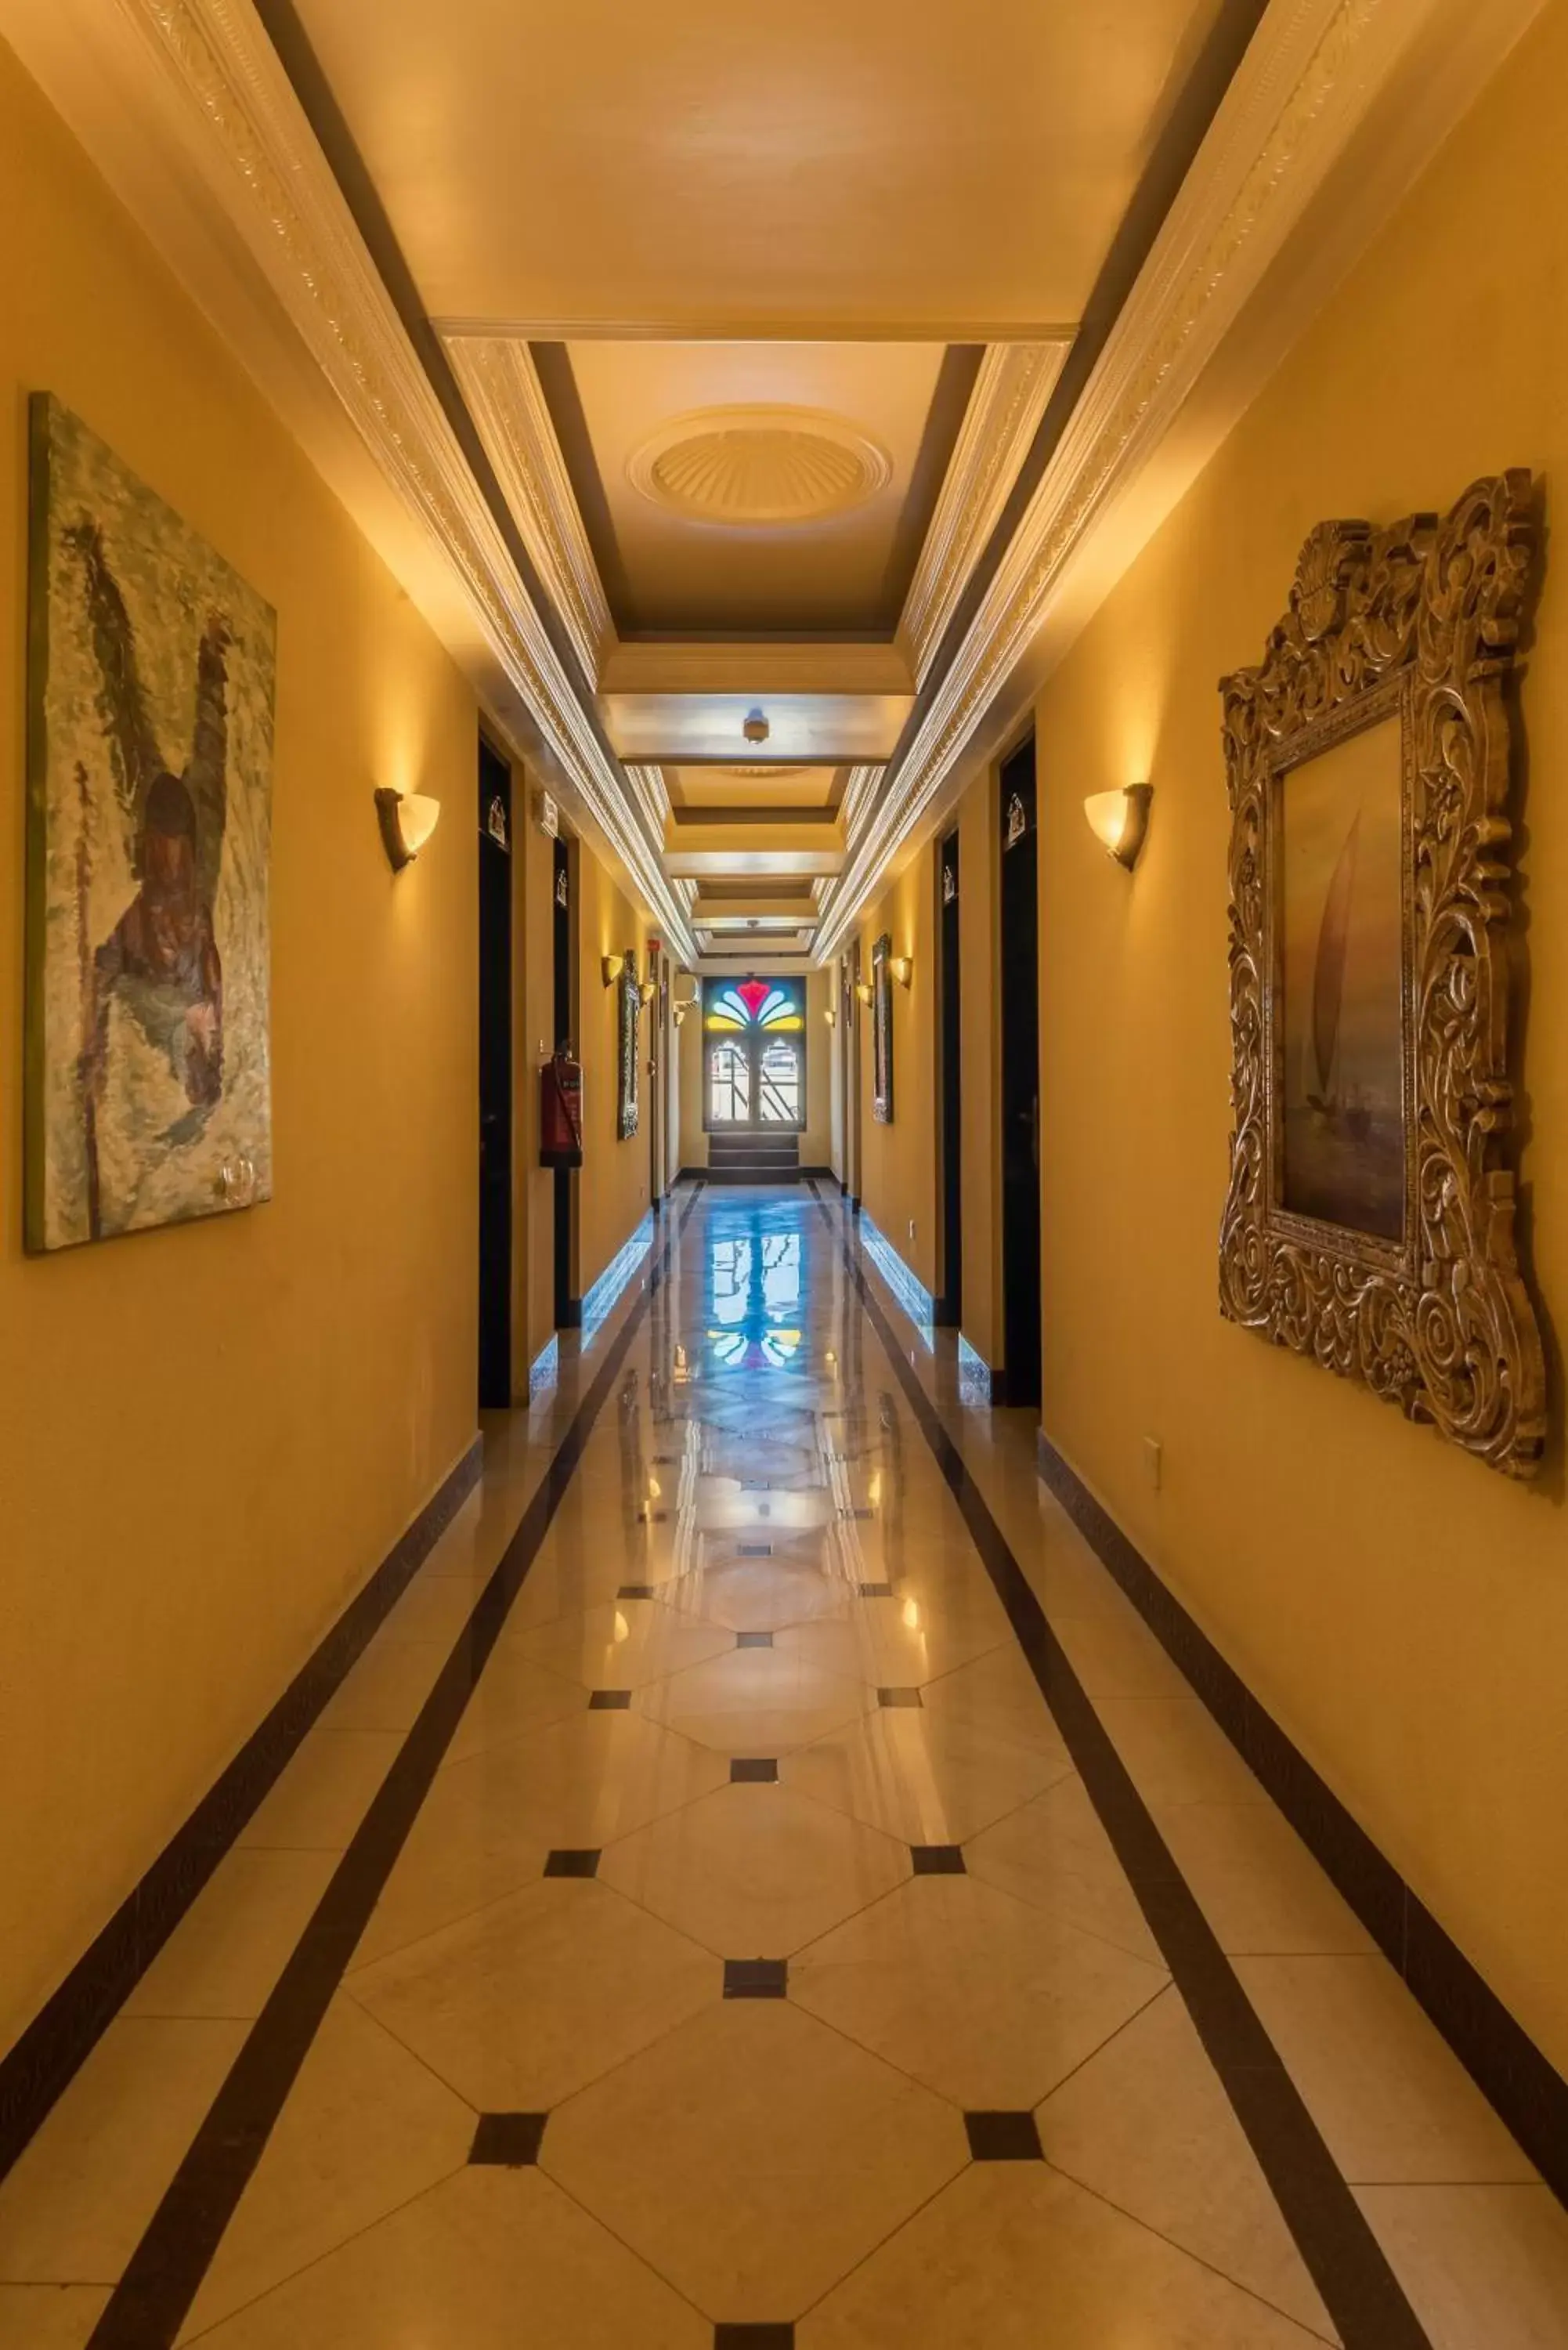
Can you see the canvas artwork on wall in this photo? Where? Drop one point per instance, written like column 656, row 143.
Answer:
column 882, row 1030
column 149, row 745
column 1342, row 856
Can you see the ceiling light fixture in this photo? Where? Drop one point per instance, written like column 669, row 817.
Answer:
column 1119, row 820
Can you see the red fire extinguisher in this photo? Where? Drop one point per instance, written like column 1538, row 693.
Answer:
column 561, row 1112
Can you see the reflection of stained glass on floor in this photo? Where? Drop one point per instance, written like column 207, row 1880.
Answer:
column 754, row 1281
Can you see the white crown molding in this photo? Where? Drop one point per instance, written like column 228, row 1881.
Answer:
column 1011, row 390
column 262, row 163
column 652, row 792
column 507, row 400
column 860, row 791
column 1312, row 73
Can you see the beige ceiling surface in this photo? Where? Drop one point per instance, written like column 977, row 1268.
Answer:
column 680, row 568
column 856, row 166
column 743, row 786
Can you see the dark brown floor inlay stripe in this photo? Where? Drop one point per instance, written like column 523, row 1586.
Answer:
column 753, row 2337
column 635, row 1591
column 876, row 1590
column 608, row 1701
column 900, row 1697
column 149, row 2305
column 753, row 1771
column 1347, row 2264
column 753, row 1639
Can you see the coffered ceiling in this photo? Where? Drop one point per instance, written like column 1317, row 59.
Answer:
column 756, row 319
column 757, row 401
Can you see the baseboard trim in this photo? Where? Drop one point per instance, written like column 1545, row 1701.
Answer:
column 44, row 2060
column 1517, row 2078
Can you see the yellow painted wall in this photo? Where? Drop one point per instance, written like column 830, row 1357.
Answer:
column 898, row 1178
column 816, row 1141
column 210, row 1435
column 613, row 1188
column 1402, row 1610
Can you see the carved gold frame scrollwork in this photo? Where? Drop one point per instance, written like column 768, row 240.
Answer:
column 1421, row 619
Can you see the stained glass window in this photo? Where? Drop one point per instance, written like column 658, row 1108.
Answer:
column 754, row 1003
column 754, row 1052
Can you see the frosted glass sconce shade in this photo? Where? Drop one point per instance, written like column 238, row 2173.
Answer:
column 1119, row 820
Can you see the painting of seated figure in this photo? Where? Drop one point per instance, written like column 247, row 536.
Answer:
column 151, row 682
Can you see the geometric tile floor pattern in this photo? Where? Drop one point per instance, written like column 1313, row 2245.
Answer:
column 757, row 1970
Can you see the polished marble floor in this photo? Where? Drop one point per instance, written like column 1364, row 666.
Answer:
column 689, row 1925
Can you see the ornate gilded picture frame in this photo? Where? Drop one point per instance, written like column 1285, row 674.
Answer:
column 629, row 1004
column 882, row 1030
column 1369, row 1219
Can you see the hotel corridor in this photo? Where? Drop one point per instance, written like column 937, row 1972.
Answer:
column 692, row 1924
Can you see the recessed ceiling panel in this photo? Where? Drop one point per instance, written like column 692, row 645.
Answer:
column 845, row 166
column 847, row 729
column 752, row 788
column 756, row 486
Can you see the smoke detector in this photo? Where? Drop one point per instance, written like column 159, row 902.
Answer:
column 756, row 728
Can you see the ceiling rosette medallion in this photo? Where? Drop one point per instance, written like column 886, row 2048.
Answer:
column 747, row 466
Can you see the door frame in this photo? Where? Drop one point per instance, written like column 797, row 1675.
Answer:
column 497, row 1082
column 756, row 1040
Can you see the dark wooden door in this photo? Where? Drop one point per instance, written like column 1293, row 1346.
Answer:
column 494, row 1078
column 1020, row 1080
column 949, row 1305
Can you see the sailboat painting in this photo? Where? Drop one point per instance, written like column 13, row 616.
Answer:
column 1343, row 1158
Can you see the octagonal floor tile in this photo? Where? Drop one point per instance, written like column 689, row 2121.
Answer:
column 1055, row 1854
column 489, row 1822
column 539, row 1994
column 1013, row 2256
column 1145, row 2123
column 918, row 1777
column 896, row 1643
column 365, row 2127
column 624, row 1644
column 999, row 1694
column 764, row 1595
column 754, row 1871
column 457, row 2266
column 754, row 2156
column 985, row 2000
column 754, row 1701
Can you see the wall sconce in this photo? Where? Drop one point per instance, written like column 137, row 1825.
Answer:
column 902, row 968
column 678, row 1012
column 611, row 966
column 648, row 990
column 865, row 990
column 831, row 1016
column 407, row 821
column 1119, row 820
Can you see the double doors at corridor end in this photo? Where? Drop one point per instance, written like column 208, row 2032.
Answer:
column 754, row 1041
